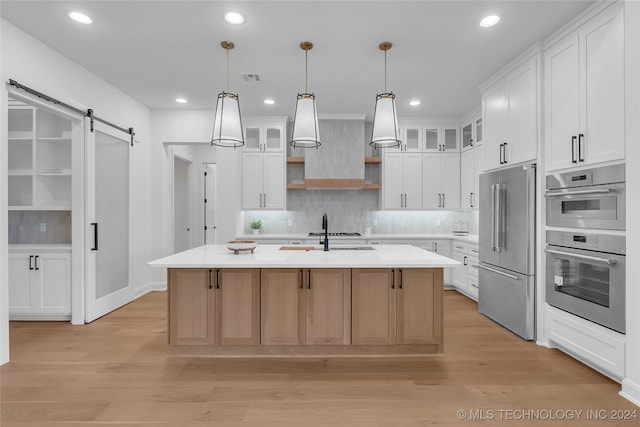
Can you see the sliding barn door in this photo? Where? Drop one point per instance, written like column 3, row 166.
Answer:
column 108, row 225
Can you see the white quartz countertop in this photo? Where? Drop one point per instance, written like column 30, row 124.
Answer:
column 471, row 238
column 271, row 256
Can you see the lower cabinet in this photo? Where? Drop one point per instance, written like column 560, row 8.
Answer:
column 39, row 285
column 465, row 277
column 306, row 306
column 301, row 310
column 214, row 306
column 397, row 306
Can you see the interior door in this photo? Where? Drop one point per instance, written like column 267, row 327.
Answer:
column 181, row 204
column 210, row 204
column 108, row 224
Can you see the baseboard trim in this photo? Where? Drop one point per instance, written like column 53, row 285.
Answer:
column 153, row 286
column 40, row 317
column 630, row 391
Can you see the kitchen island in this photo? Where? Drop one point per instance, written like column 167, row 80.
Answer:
column 284, row 300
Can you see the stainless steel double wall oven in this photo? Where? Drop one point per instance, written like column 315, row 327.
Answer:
column 585, row 269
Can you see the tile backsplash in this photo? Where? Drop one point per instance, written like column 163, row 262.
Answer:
column 352, row 210
column 40, row 227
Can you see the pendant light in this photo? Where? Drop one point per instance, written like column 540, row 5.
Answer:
column 385, row 119
column 227, row 123
column 305, row 120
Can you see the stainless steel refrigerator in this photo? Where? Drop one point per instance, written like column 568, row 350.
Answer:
column 506, row 287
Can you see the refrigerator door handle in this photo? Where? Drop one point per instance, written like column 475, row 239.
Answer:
column 493, row 217
column 510, row 276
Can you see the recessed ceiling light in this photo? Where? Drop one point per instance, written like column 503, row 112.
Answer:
column 489, row 21
column 414, row 103
column 269, row 101
column 181, row 100
column 234, row 18
column 80, row 17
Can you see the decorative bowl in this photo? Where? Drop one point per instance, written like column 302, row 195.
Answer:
column 241, row 245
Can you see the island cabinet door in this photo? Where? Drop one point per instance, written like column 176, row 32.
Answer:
column 282, row 306
column 373, row 306
column 191, row 302
column 237, row 306
column 328, row 306
column 419, row 305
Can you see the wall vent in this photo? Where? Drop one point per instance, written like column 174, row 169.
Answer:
column 251, row 77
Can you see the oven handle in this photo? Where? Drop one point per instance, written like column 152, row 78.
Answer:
column 586, row 257
column 571, row 193
column 510, row 276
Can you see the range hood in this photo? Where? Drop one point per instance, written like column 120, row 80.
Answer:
column 339, row 162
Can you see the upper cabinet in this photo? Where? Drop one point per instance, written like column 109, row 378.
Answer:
column 264, row 136
column 412, row 139
column 584, row 94
column 441, row 138
column 510, row 116
column 263, row 165
column 471, row 133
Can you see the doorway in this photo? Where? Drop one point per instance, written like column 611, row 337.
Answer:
column 210, row 228
column 181, row 203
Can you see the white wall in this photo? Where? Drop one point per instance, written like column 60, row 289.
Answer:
column 34, row 64
column 171, row 129
column 631, row 383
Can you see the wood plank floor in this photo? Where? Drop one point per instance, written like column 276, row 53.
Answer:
column 115, row 372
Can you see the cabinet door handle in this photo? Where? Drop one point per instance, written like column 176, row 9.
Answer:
column 309, row 278
column 35, row 259
column 401, row 200
column 574, row 140
column 465, row 260
column 95, row 236
column 435, row 246
column 581, row 147
column 393, row 278
column 265, row 200
column 439, row 200
column 400, row 284
column 470, row 200
column 444, row 203
column 210, row 284
column 30, row 262
column 505, row 153
column 471, row 142
column 217, row 278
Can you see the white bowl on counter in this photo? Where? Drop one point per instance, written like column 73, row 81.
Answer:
column 238, row 246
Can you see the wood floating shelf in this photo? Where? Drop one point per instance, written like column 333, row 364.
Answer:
column 372, row 160
column 333, row 184
column 295, row 160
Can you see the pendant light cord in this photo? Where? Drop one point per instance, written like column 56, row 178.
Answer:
column 228, row 70
column 306, row 70
column 385, row 71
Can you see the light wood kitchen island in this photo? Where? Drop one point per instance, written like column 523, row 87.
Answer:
column 383, row 301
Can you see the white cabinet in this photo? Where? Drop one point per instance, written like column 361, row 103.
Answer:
column 268, row 135
column 263, row 180
column 39, row 159
column 471, row 166
column 510, row 117
column 439, row 138
column 584, row 76
column 402, row 180
column 465, row 277
column 263, row 165
column 412, row 139
column 39, row 285
column 441, row 247
column 441, row 180
column 471, row 134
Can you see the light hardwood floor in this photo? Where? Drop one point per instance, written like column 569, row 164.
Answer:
column 115, row 372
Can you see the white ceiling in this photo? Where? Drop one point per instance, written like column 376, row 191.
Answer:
column 159, row 50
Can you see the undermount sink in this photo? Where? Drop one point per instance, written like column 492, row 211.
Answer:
column 349, row 248
column 331, row 248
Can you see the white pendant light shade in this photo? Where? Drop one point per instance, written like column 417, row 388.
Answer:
column 305, row 123
column 385, row 122
column 227, row 124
